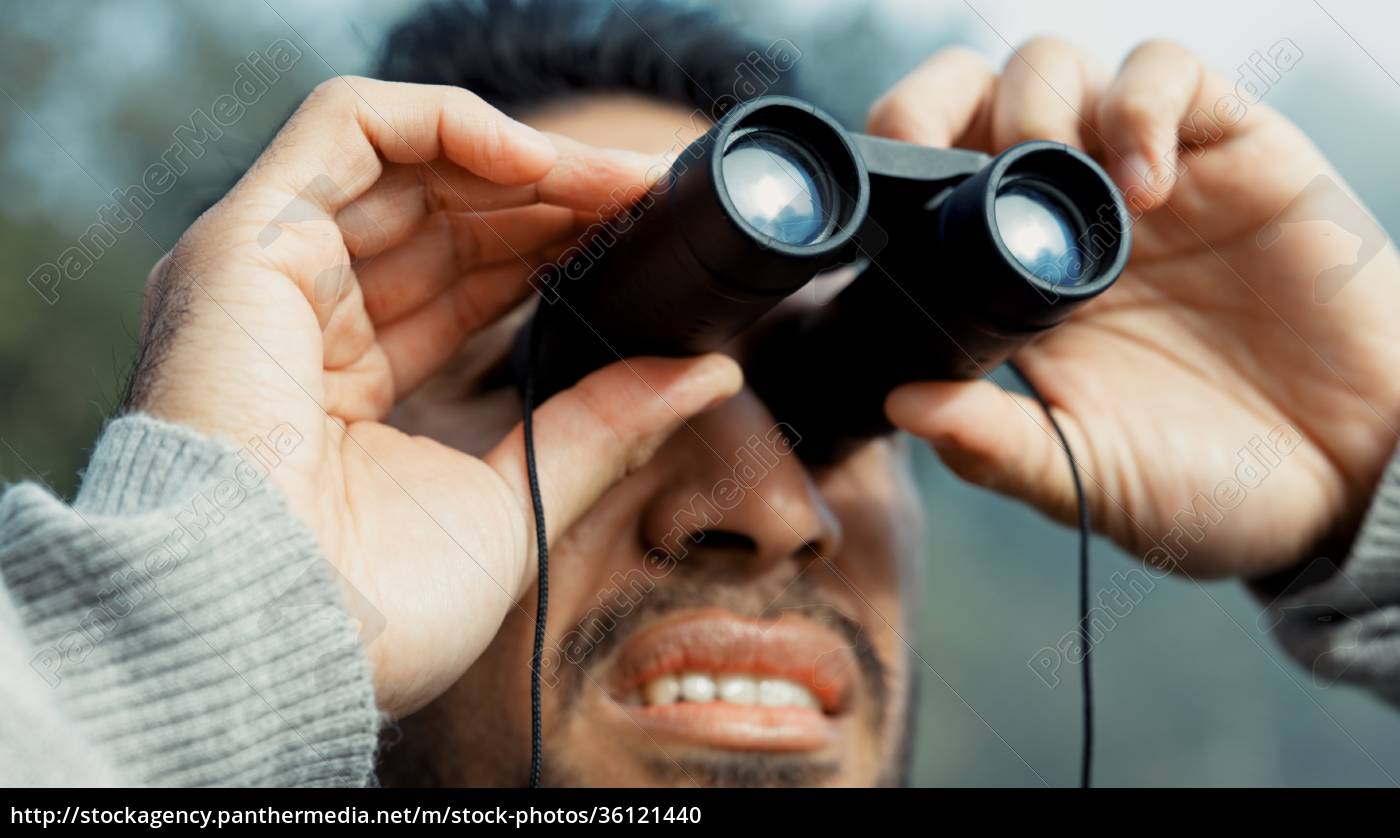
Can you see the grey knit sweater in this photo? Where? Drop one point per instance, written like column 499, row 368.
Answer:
column 177, row 625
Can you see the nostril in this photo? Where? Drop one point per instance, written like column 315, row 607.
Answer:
column 723, row 540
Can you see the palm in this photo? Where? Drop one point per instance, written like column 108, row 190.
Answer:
column 449, row 528
column 418, row 532
column 385, row 225
column 1209, row 340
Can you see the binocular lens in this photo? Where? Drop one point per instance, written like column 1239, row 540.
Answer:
column 773, row 193
column 776, row 192
column 1040, row 231
column 778, row 188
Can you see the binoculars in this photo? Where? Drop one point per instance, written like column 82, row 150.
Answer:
column 961, row 258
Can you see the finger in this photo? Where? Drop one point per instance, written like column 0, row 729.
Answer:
column 450, row 245
column 1164, row 96
column 392, row 210
column 419, row 343
column 584, row 178
column 993, row 438
column 1048, row 91
column 609, row 424
column 946, row 101
column 332, row 148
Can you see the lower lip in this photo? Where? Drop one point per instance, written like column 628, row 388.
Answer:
column 738, row 727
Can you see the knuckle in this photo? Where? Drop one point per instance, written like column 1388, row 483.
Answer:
column 893, row 115
column 339, row 93
column 600, row 404
column 467, row 309
column 911, row 111
column 466, row 239
column 1137, row 111
column 192, row 252
column 1158, row 48
column 488, row 141
column 460, row 98
column 328, row 92
column 900, row 115
column 429, row 185
column 1047, row 46
column 159, row 276
column 959, row 56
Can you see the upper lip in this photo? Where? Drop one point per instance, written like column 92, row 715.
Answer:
column 717, row 641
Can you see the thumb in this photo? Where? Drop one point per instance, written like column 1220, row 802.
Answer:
column 993, row 438
column 593, row 434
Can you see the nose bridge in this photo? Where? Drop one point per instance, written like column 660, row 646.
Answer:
column 742, row 466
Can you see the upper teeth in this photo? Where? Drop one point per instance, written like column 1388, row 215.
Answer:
column 732, row 689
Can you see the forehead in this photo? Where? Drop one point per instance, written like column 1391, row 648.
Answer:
column 621, row 120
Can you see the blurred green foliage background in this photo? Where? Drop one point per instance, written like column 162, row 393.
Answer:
column 1192, row 691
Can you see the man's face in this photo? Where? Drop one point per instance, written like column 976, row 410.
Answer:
column 725, row 615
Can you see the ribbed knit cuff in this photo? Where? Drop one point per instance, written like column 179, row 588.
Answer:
column 1342, row 622
column 186, row 620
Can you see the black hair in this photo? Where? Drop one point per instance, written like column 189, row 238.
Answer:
column 521, row 53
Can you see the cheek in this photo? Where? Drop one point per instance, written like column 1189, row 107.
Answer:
column 589, row 557
column 593, row 575
column 874, row 496
column 584, row 564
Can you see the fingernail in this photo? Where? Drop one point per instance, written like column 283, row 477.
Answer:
column 1131, row 170
column 916, row 399
column 1160, row 174
column 723, row 368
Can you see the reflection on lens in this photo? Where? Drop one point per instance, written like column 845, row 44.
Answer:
column 774, row 188
column 1039, row 232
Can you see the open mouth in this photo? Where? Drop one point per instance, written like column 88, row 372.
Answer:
column 715, row 679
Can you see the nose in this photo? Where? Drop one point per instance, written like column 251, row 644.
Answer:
column 739, row 494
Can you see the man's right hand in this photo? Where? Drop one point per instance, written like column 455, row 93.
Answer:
column 385, row 224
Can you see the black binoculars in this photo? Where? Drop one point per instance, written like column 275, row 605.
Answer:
column 962, row 257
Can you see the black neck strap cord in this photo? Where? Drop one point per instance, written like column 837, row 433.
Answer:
column 542, row 549
column 542, row 598
column 1086, row 672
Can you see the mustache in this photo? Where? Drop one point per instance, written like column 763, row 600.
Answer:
column 592, row 641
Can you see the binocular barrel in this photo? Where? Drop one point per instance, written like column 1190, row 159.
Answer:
column 966, row 259
column 969, row 276
column 768, row 197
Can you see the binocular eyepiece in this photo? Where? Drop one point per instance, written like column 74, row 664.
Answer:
column 964, row 258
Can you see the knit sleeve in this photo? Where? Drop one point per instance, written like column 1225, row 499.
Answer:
column 175, row 625
column 1341, row 621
